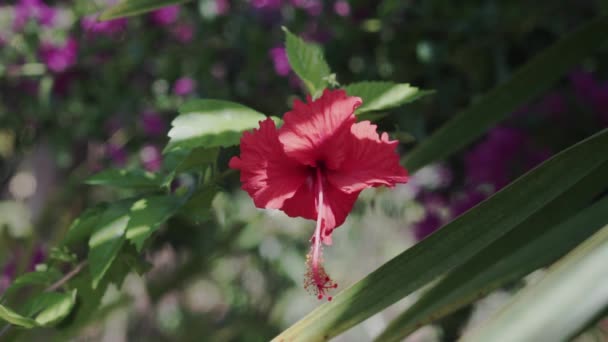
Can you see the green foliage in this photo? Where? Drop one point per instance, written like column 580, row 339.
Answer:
column 48, row 308
column 138, row 179
column 146, row 215
column 36, row 278
column 533, row 244
column 383, row 95
column 307, row 61
column 15, row 318
column 456, row 243
column 128, row 8
column 211, row 123
column 529, row 81
column 571, row 294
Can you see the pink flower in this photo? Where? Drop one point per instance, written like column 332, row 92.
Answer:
column 315, row 166
column 34, row 10
column 59, row 57
column 151, row 158
column 165, row 16
column 92, row 25
column 184, row 33
column 342, row 8
column 153, row 124
column 279, row 59
column 184, row 86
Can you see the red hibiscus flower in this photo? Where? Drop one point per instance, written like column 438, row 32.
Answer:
column 315, row 166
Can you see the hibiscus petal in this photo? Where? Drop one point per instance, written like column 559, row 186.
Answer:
column 337, row 206
column 309, row 127
column 267, row 174
column 370, row 160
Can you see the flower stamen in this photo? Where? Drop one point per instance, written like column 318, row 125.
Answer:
column 317, row 280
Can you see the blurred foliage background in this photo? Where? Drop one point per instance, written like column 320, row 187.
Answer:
column 78, row 96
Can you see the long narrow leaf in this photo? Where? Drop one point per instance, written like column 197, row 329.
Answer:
column 531, row 245
column 572, row 293
column 454, row 244
column 529, row 81
column 133, row 7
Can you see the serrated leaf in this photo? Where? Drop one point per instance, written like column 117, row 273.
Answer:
column 146, row 215
column 535, row 243
column 455, row 243
column 131, row 179
column 383, row 95
column 107, row 240
column 14, row 318
column 307, row 61
column 571, row 294
column 211, row 123
column 530, row 80
column 128, row 8
column 48, row 308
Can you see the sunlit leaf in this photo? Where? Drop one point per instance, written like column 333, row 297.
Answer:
column 533, row 244
column 48, row 308
column 307, row 61
column 12, row 317
column 383, row 95
column 147, row 214
column 453, row 245
column 571, row 294
column 211, row 123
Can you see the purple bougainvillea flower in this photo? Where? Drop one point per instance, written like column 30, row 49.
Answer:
column 184, row 86
column 117, row 154
column 35, row 10
column 465, row 201
column 312, row 7
column 222, row 7
column 279, row 60
column 342, row 8
column 184, row 33
column 59, row 57
column 267, row 4
column 151, row 158
column 92, row 25
column 153, row 124
column 165, row 16
column 584, row 85
column 315, row 166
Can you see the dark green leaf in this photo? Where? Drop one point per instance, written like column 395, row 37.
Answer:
column 186, row 160
column 48, row 308
column 126, row 179
column 83, row 226
column 533, row 244
column 211, row 123
column 36, row 278
column 147, row 214
column 456, row 243
column 571, row 294
column 529, row 81
column 307, row 61
column 383, row 95
column 133, row 7
column 198, row 207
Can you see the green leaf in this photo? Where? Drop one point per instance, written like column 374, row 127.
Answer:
column 529, row 81
column 146, row 215
column 211, row 123
column 49, row 308
column 36, row 278
column 186, row 160
column 455, row 243
column 82, row 228
column 307, row 61
column 107, row 240
column 571, row 294
column 383, row 95
column 533, row 244
column 198, row 206
column 15, row 318
column 138, row 179
column 133, row 7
